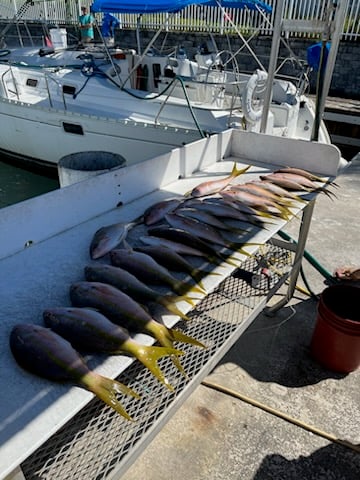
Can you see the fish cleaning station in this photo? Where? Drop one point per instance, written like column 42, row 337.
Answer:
column 58, row 430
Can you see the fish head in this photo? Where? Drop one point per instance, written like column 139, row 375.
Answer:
column 50, row 317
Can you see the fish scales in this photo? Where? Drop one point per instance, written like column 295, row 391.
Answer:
column 131, row 285
column 123, row 310
column 207, row 217
column 172, row 260
column 147, row 269
column 91, row 331
column 45, row 353
column 156, row 212
column 213, row 186
column 196, row 228
column 108, row 237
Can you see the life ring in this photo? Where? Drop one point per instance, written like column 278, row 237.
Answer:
column 250, row 113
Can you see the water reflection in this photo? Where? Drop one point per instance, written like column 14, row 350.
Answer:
column 18, row 183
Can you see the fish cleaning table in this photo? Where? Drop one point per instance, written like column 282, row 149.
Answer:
column 50, row 430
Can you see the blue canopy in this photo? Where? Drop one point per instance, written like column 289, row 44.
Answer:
column 157, row 6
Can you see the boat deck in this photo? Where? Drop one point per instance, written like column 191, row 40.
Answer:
column 39, row 262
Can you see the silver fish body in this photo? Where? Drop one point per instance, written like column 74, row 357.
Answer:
column 213, row 186
column 155, row 213
column 196, row 228
column 107, row 238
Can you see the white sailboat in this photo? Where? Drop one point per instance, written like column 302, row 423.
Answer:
column 141, row 105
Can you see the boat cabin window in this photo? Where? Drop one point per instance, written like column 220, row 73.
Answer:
column 70, row 90
column 73, row 128
column 31, row 82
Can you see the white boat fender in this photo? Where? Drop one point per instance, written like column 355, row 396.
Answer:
column 250, row 113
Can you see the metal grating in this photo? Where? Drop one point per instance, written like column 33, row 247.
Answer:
column 97, row 441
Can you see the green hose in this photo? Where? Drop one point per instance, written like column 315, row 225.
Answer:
column 325, row 273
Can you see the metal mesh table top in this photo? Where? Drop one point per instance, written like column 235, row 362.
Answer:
column 97, row 443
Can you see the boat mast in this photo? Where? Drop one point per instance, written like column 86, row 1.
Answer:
column 274, row 53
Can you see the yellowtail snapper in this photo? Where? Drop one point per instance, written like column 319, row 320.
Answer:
column 46, row 354
column 91, row 331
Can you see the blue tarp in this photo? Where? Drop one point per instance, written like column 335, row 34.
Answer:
column 157, row 6
column 314, row 55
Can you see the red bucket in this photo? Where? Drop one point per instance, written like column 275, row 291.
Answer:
column 336, row 339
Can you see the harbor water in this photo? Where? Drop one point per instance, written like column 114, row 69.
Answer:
column 18, row 184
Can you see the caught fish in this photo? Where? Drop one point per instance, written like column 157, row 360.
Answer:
column 91, row 331
column 175, row 246
column 144, row 267
column 196, row 228
column 206, row 217
column 173, row 261
column 257, row 202
column 123, row 310
column 295, row 182
column 277, row 190
column 179, row 235
column 108, row 238
column 46, row 354
column 220, row 208
column 155, row 213
column 303, row 173
column 261, row 191
column 214, row 186
column 203, row 231
column 132, row 286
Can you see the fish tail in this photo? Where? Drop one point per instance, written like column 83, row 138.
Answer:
column 238, row 248
column 173, row 308
column 183, row 287
column 198, row 275
column 178, row 365
column 327, row 192
column 178, row 336
column 235, row 172
column 214, row 273
column 230, row 261
column 165, row 338
column 106, row 389
column 149, row 356
column 236, row 230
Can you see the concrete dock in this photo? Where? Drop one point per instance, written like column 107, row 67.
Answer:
column 223, row 435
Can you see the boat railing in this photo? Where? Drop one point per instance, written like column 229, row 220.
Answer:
column 181, row 84
column 47, row 77
column 10, row 72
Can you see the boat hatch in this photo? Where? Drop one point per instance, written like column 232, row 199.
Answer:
column 73, row 128
column 69, row 89
column 31, row 82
